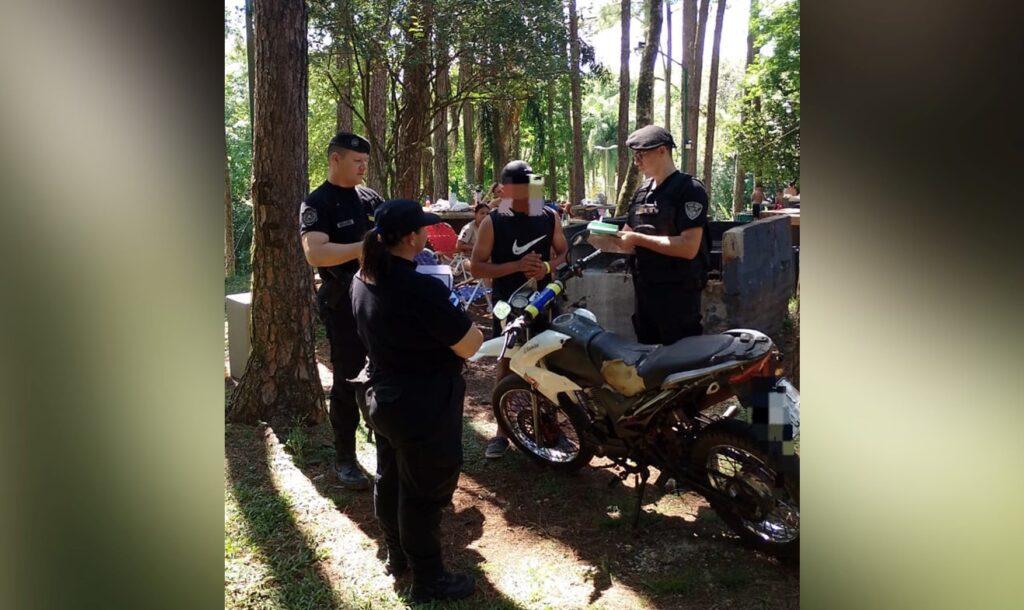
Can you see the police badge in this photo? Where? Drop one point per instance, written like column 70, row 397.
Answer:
column 308, row 217
column 693, row 209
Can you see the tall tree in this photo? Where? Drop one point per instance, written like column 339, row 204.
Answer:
column 249, row 59
column 668, row 65
column 468, row 124
column 442, row 86
column 688, row 33
column 696, row 70
column 281, row 382
column 622, row 166
column 343, row 121
column 414, row 112
column 229, row 228
column 550, row 144
column 709, row 141
column 576, row 190
column 644, row 95
column 738, row 187
column 376, row 102
column 478, row 149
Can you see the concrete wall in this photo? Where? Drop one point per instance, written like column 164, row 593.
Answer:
column 609, row 296
column 758, row 278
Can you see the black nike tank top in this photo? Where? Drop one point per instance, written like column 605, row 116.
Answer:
column 516, row 235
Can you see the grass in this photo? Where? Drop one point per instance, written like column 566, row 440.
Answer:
column 684, row 583
column 240, row 282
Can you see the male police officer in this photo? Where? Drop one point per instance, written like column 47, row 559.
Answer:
column 333, row 220
column 667, row 227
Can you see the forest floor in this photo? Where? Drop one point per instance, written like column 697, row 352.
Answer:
column 534, row 538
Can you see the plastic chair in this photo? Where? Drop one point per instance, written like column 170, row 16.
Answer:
column 442, row 239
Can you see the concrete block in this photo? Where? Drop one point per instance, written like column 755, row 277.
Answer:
column 609, row 296
column 758, row 274
column 239, row 307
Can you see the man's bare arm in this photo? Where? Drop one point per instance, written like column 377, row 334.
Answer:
column 685, row 245
column 322, row 253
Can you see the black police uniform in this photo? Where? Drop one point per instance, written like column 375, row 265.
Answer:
column 668, row 288
column 344, row 215
column 415, row 405
column 515, row 236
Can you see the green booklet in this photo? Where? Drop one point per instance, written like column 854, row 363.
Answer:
column 602, row 228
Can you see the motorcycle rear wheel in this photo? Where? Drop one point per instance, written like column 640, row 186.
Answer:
column 766, row 516
column 561, row 445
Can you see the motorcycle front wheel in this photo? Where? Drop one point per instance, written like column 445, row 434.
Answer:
column 756, row 501
column 558, row 442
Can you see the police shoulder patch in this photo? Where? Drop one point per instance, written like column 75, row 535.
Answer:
column 693, row 209
column 308, row 217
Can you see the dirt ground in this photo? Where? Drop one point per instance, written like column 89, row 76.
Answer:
column 533, row 538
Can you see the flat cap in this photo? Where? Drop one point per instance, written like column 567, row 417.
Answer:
column 649, row 137
column 350, row 141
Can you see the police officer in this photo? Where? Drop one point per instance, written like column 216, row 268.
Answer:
column 667, row 227
column 513, row 246
column 333, row 220
column 418, row 341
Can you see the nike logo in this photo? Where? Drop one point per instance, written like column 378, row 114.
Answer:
column 517, row 249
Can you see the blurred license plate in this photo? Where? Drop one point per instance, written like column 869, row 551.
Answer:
column 784, row 407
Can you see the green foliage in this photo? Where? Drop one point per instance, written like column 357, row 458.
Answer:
column 769, row 138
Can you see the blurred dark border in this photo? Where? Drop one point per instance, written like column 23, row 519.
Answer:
column 112, row 308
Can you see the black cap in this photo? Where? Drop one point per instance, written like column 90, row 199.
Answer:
column 650, row 137
column 350, row 141
column 516, row 172
column 402, row 216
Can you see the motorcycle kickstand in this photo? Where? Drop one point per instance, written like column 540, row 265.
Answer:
column 641, row 483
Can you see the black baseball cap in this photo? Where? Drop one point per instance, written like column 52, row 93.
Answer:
column 650, row 137
column 402, row 216
column 516, row 172
column 350, row 141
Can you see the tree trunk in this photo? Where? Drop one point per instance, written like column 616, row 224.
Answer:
column 249, row 58
column 709, row 141
column 693, row 111
column 343, row 120
column 668, row 66
column 550, row 145
column 229, row 229
column 644, row 96
column 468, row 131
column 442, row 87
column 576, row 192
column 413, row 118
column 622, row 166
column 738, row 188
column 376, row 133
column 281, row 382
column 427, row 169
column 478, row 151
column 688, row 31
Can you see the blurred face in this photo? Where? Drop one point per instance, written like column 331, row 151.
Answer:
column 348, row 167
column 513, row 191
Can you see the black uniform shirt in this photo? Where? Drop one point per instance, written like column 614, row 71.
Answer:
column 678, row 203
column 407, row 321
column 344, row 214
column 515, row 236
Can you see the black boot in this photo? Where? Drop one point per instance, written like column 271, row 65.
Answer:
column 349, row 474
column 445, row 586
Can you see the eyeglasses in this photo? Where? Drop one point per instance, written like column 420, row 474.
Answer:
column 638, row 155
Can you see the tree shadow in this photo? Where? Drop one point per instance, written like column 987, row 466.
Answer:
column 300, row 580
column 459, row 530
column 573, row 509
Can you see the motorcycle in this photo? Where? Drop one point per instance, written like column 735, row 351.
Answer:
column 575, row 391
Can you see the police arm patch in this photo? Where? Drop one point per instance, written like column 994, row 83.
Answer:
column 693, row 209
column 309, row 217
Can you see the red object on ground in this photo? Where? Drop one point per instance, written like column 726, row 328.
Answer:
column 442, row 239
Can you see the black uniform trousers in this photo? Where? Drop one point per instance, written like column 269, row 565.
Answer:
column 348, row 356
column 666, row 312
column 418, row 420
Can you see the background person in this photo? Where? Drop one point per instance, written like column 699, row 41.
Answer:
column 417, row 341
column 332, row 222
column 467, row 236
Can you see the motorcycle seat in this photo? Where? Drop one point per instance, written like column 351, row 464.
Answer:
column 684, row 355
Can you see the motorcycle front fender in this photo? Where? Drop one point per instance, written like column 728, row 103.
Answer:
column 490, row 349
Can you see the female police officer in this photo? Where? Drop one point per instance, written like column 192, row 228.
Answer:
column 417, row 342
